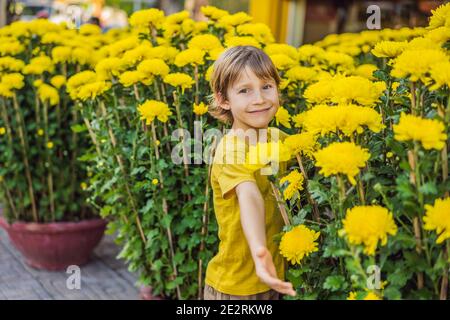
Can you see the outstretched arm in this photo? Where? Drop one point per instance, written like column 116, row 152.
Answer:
column 252, row 209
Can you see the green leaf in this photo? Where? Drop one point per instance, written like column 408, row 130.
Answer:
column 428, row 188
column 77, row 128
column 335, row 283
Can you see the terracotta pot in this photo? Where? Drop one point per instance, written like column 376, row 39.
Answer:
column 146, row 293
column 55, row 246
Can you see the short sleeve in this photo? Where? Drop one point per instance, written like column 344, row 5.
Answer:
column 233, row 172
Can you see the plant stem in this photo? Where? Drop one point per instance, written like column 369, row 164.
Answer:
column 49, row 162
column 361, row 190
column 444, row 282
column 21, row 128
column 308, row 195
column 280, row 203
column 413, row 98
column 165, row 207
column 342, row 196
column 124, row 173
column 180, row 121
column 204, row 231
column 196, row 84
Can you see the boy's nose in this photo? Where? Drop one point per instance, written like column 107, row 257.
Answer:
column 258, row 97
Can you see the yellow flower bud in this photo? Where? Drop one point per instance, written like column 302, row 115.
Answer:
column 155, row 181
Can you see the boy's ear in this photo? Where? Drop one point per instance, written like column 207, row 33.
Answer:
column 223, row 103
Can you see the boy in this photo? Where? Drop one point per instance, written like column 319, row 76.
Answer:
column 248, row 265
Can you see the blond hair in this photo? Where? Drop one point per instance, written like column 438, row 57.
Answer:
column 227, row 70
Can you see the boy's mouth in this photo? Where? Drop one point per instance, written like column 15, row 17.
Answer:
column 260, row 111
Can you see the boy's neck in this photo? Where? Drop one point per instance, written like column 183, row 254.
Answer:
column 260, row 132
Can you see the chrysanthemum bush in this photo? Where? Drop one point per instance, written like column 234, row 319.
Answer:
column 40, row 177
column 370, row 115
column 366, row 201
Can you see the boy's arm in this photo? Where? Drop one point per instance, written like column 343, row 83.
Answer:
column 251, row 205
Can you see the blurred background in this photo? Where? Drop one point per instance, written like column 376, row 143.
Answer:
column 292, row 21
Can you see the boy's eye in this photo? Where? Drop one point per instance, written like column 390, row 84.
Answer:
column 267, row 86
column 243, row 91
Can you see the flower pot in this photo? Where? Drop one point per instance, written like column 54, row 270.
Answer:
column 146, row 293
column 55, row 246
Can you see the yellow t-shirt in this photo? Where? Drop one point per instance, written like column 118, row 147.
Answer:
column 232, row 270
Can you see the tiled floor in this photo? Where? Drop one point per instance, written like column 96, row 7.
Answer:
column 104, row 278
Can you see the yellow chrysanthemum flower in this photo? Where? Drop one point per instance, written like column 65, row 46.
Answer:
column 282, row 61
column 341, row 158
column 129, row 78
column 264, row 153
column 61, row 54
column 365, row 71
column 299, row 73
column 415, row 64
column 108, row 68
column 50, row 145
column 440, row 74
column 295, row 183
column 298, row 243
column 349, row 119
column 233, row 41
column 369, row 296
column 153, row 67
column 2, row 131
column 368, row 225
column 298, row 119
column 146, row 19
column 92, row 90
column 48, row 94
column 437, row 217
column 10, row 64
column 304, row 143
column 58, row 81
column 192, row 56
column 155, row 182
column 182, row 80
column 283, row 117
column 233, row 20
column 79, row 79
column 388, row 49
column 200, row 109
column 260, row 31
column 429, row 132
column 205, row 42
column 213, row 13
column 152, row 109
column 11, row 48
column 440, row 17
column 39, row 65
column 13, row 80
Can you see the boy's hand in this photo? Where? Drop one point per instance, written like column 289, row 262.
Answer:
column 265, row 269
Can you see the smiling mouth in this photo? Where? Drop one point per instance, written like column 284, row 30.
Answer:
column 259, row 111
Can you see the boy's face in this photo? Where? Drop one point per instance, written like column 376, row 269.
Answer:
column 253, row 101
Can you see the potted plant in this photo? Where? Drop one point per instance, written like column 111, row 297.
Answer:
column 42, row 182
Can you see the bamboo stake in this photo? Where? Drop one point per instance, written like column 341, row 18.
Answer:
column 165, row 207
column 21, row 125
column 308, row 195
column 122, row 168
